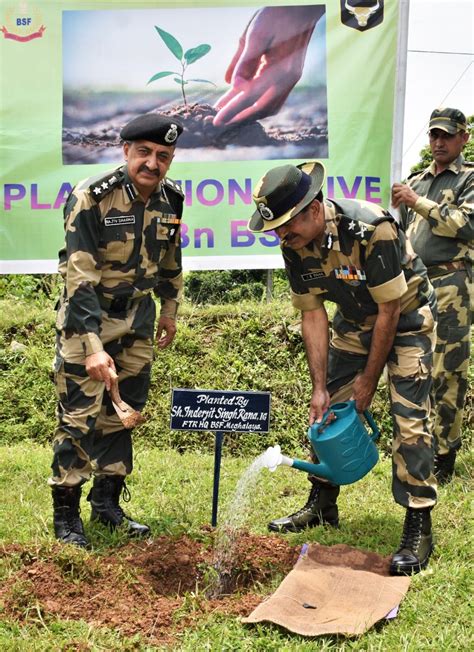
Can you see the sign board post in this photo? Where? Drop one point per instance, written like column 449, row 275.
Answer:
column 220, row 412
column 217, row 475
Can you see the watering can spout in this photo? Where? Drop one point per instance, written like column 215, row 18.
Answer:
column 273, row 458
column 321, row 470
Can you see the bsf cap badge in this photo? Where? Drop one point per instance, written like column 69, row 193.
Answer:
column 265, row 212
column 172, row 133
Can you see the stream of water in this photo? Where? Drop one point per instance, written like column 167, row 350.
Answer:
column 233, row 518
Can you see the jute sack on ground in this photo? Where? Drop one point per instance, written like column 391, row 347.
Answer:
column 333, row 590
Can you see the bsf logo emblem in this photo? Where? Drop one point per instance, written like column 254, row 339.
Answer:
column 22, row 23
column 361, row 14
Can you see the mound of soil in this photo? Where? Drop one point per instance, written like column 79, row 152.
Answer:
column 154, row 588
column 82, row 144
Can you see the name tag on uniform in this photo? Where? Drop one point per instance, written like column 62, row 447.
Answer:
column 312, row 276
column 119, row 220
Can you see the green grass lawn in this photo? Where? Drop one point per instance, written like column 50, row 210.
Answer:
column 173, row 493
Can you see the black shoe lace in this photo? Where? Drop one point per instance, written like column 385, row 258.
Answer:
column 412, row 530
column 309, row 504
column 111, row 505
column 126, row 495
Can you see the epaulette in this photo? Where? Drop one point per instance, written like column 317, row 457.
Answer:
column 174, row 186
column 101, row 187
column 358, row 230
column 415, row 174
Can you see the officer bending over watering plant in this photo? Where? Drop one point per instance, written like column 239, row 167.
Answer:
column 352, row 253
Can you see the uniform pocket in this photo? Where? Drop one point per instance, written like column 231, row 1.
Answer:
column 160, row 243
column 119, row 244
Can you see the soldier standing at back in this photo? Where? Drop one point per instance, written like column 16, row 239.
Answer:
column 122, row 246
column 437, row 212
column 351, row 252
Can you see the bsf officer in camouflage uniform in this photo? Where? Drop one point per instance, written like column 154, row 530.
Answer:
column 122, row 248
column 437, row 212
column 351, row 253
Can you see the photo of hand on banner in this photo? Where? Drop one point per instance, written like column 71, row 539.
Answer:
column 179, row 65
column 268, row 63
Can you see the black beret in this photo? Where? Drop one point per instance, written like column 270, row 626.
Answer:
column 155, row 127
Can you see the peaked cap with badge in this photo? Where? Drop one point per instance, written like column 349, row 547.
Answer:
column 155, row 127
column 283, row 192
column 449, row 120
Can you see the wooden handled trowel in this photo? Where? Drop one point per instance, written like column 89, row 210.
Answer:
column 127, row 415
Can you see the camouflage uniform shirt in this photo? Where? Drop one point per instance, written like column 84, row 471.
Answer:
column 363, row 261
column 118, row 247
column 441, row 224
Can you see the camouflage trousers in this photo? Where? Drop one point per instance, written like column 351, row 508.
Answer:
column 409, row 365
column 90, row 438
column 451, row 357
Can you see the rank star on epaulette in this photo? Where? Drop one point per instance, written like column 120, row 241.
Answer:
column 104, row 186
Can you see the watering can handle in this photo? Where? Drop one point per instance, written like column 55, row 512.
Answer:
column 322, row 423
column 370, row 420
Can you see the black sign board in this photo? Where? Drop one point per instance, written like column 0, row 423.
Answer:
column 220, row 411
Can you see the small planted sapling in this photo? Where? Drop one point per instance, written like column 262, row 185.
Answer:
column 185, row 59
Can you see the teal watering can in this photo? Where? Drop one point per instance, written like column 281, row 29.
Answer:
column 345, row 450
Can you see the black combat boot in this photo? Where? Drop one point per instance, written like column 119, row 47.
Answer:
column 68, row 526
column 444, row 466
column 320, row 508
column 104, row 498
column 416, row 545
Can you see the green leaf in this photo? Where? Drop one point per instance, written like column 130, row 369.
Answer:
column 193, row 54
column 204, row 81
column 171, row 43
column 159, row 75
column 177, row 80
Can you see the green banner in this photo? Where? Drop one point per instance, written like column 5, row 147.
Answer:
column 256, row 86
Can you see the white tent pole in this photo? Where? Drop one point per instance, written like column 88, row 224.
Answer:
column 400, row 86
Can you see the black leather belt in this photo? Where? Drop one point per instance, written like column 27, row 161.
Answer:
column 118, row 304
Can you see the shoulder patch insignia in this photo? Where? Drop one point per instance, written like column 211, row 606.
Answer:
column 174, row 186
column 103, row 186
